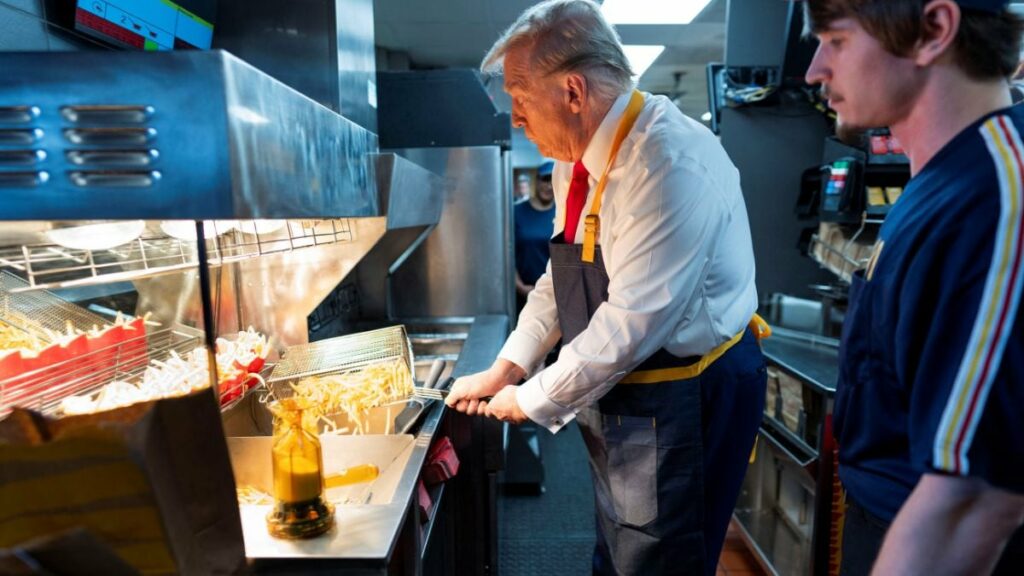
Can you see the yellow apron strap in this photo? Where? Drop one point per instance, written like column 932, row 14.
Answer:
column 756, row 324
column 760, row 328
column 592, row 222
column 682, row 372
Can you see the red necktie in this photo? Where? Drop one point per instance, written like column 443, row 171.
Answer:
column 577, row 198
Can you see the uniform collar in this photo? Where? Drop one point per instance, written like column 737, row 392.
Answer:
column 596, row 155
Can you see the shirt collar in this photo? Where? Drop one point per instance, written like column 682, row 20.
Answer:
column 596, row 155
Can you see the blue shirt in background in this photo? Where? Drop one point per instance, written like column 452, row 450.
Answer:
column 533, row 230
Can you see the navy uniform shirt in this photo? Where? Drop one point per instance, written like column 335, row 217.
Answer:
column 932, row 355
column 533, row 229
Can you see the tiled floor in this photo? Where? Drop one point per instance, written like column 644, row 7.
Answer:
column 553, row 533
column 736, row 559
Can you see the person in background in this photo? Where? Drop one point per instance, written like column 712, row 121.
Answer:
column 650, row 286
column 522, row 193
column 931, row 386
column 534, row 224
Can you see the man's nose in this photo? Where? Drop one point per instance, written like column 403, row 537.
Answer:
column 818, row 72
column 518, row 121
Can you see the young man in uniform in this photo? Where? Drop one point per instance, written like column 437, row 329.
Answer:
column 931, row 390
column 650, row 286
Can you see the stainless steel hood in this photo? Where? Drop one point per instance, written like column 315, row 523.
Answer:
column 189, row 135
column 409, row 194
column 201, row 136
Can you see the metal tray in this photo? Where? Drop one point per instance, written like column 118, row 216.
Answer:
column 251, row 462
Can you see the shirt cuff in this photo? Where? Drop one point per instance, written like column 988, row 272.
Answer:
column 521, row 350
column 538, row 407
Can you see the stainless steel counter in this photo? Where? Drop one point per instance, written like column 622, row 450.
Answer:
column 783, row 509
column 366, row 538
column 814, row 359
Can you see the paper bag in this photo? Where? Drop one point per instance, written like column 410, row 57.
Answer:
column 152, row 481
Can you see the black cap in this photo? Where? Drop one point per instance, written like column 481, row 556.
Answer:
column 545, row 169
column 986, row 5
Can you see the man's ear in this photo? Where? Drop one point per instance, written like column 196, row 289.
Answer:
column 939, row 30
column 576, row 92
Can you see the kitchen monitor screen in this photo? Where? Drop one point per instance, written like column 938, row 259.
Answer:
column 148, row 24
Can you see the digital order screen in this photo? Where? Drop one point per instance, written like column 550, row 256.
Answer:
column 148, row 24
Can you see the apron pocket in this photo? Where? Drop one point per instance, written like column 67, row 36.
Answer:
column 632, row 444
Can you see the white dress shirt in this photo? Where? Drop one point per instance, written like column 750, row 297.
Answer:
column 676, row 245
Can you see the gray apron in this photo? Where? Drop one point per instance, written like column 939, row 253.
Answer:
column 667, row 459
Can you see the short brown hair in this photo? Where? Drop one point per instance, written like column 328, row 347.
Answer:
column 986, row 47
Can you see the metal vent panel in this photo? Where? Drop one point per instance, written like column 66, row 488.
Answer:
column 173, row 135
column 22, row 157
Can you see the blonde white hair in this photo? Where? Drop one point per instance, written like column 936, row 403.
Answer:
column 567, row 36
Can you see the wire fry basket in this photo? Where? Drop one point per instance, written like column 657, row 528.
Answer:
column 44, row 388
column 348, row 353
column 350, row 356
column 41, row 313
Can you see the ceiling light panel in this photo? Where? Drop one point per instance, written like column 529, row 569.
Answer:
column 641, row 57
column 652, row 11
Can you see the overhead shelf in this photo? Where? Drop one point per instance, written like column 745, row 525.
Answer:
column 51, row 265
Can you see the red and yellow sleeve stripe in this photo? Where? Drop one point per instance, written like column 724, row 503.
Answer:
column 997, row 310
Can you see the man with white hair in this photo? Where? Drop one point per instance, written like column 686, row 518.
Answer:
column 650, row 286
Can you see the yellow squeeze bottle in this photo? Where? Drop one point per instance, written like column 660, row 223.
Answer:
column 300, row 510
column 296, row 479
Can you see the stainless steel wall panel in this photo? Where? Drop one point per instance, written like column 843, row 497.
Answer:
column 356, row 61
column 465, row 267
column 322, row 48
column 291, row 41
column 439, row 108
